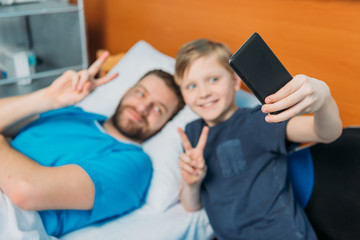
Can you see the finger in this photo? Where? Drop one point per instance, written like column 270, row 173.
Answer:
column 106, row 79
column 301, row 92
column 188, row 177
column 298, row 109
column 185, row 158
column 200, row 164
column 203, row 138
column 284, row 103
column 286, row 90
column 187, row 168
column 84, row 77
column 185, row 141
column 87, row 88
column 96, row 66
column 201, row 171
column 75, row 78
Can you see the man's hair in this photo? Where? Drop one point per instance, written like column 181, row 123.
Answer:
column 170, row 82
column 196, row 49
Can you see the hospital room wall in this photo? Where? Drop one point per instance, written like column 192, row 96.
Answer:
column 319, row 38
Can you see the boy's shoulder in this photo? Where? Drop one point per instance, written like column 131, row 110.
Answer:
column 195, row 124
column 242, row 113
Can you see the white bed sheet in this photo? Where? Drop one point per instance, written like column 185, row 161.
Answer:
column 16, row 223
column 144, row 223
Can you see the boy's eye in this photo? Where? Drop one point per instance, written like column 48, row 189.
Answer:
column 191, row 86
column 213, row 79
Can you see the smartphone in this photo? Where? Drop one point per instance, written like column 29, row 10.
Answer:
column 259, row 68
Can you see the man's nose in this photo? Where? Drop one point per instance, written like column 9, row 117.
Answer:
column 144, row 107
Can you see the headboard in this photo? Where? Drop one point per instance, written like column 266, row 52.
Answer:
column 319, row 38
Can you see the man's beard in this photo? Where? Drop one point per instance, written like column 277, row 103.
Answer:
column 126, row 126
column 129, row 128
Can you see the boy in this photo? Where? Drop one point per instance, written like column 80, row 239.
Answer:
column 237, row 169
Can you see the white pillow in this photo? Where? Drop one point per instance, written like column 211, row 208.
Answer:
column 140, row 59
column 165, row 147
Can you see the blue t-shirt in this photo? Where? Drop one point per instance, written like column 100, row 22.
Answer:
column 121, row 172
column 246, row 193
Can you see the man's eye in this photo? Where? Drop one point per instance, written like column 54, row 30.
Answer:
column 191, row 86
column 140, row 93
column 213, row 79
column 158, row 109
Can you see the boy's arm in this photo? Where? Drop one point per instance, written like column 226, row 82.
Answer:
column 190, row 197
column 305, row 95
column 193, row 170
column 324, row 126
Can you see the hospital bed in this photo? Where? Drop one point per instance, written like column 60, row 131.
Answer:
column 161, row 216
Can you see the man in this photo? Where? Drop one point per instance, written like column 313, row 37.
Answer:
column 70, row 160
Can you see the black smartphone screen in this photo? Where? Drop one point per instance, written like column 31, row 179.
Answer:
column 259, row 68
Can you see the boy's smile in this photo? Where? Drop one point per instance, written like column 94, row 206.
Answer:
column 208, row 105
column 209, row 89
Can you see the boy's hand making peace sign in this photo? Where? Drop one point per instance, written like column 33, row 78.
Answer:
column 192, row 164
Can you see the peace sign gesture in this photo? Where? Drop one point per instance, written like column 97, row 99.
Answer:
column 192, row 164
column 71, row 87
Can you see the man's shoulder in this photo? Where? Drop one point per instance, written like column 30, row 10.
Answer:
column 73, row 111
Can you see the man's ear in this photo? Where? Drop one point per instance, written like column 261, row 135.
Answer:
column 237, row 82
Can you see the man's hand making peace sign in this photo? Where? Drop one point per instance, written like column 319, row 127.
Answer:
column 72, row 87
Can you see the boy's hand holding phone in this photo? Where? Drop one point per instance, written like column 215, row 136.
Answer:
column 282, row 96
column 192, row 164
column 302, row 95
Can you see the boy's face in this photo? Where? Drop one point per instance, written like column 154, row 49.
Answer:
column 209, row 90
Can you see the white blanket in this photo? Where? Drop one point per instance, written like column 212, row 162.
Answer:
column 16, row 223
column 144, row 223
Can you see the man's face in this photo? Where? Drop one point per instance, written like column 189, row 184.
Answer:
column 145, row 109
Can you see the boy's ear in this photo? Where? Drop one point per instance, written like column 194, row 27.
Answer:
column 237, row 82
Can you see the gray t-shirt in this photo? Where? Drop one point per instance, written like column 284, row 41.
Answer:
column 246, row 193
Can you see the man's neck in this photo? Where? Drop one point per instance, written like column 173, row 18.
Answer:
column 112, row 131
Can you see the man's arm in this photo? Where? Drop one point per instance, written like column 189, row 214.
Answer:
column 70, row 88
column 15, row 109
column 34, row 187
column 28, row 184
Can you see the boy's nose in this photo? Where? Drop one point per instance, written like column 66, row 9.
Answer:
column 204, row 92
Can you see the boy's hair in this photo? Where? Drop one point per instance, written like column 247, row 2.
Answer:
column 170, row 82
column 196, row 49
